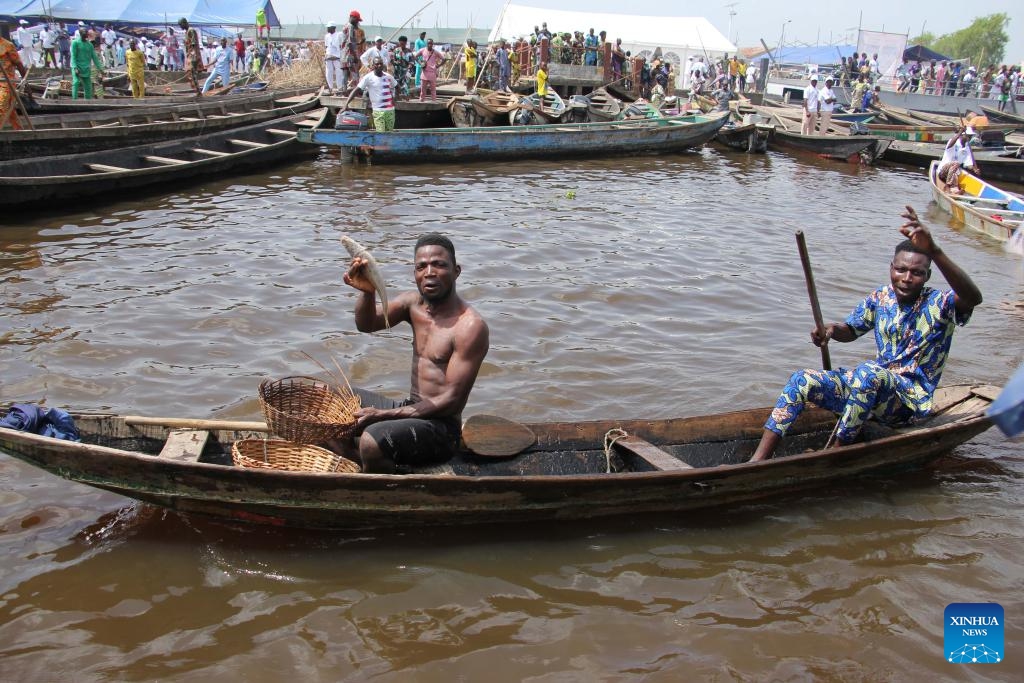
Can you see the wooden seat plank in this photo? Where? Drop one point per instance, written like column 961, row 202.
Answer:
column 167, row 161
column 211, row 152
column 104, row 168
column 185, row 445
column 278, row 131
column 651, row 454
column 248, row 143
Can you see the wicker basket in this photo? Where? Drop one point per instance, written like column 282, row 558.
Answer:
column 275, row 454
column 307, row 410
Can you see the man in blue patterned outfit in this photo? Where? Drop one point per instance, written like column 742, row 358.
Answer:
column 913, row 327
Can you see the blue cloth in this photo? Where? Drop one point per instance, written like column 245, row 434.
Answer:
column 52, row 422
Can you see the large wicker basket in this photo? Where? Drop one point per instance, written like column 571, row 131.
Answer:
column 307, row 410
column 284, row 455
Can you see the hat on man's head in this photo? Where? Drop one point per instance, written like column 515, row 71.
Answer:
column 331, row 24
column 23, row 22
column 830, row 80
column 354, row 14
column 969, row 130
column 378, row 39
column 814, row 77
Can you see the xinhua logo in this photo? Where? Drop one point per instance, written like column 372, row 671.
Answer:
column 974, row 633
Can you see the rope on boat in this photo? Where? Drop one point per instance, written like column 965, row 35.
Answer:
column 610, row 437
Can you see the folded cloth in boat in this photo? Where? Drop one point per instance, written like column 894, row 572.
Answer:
column 52, row 422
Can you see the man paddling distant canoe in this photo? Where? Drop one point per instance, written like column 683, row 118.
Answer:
column 913, row 327
column 450, row 341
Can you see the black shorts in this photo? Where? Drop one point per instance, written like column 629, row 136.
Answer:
column 411, row 441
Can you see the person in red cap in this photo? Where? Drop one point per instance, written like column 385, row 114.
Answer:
column 353, row 42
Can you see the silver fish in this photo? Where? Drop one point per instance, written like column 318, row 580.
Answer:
column 357, row 250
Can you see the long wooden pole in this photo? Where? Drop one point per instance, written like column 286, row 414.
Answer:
column 812, row 293
column 414, row 14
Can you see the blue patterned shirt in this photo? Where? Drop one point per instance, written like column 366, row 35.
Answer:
column 914, row 339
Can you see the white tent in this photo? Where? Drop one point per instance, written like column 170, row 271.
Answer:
column 678, row 37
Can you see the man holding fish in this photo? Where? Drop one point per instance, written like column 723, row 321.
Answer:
column 450, row 342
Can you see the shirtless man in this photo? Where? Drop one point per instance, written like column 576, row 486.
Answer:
column 450, row 341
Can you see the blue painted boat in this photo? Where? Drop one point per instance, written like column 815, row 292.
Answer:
column 1007, row 411
column 650, row 136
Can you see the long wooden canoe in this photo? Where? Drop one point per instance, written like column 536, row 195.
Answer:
column 559, row 140
column 996, row 163
column 982, row 207
column 1004, row 117
column 866, row 148
column 40, row 182
column 135, row 129
column 492, row 109
column 665, row 466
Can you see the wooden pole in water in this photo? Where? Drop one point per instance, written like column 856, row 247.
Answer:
column 812, row 293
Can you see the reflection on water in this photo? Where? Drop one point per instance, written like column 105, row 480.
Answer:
column 666, row 286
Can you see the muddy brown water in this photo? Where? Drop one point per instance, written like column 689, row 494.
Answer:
column 657, row 286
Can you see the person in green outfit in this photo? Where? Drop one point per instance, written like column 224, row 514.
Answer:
column 83, row 56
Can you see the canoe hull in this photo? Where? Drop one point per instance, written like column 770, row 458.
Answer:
column 981, row 219
column 585, row 139
column 39, row 183
column 564, row 480
column 842, row 147
column 993, row 166
column 749, row 138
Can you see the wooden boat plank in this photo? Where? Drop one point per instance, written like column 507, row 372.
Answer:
column 211, row 152
column 106, row 168
column 651, row 454
column 185, row 445
column 278, row 131
column 165, row 160
column 247, row 143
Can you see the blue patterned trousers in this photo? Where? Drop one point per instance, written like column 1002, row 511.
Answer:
column 854, row 395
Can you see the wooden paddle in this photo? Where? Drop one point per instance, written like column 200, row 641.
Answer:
column 488, row 436
column 812, row 293
column 491, row 436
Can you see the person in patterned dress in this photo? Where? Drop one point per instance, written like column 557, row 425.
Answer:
column 913, row 328
column 401, row 61
column 193, row 58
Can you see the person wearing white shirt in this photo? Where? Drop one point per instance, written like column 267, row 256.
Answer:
column 827, row 101
column 332, row 46
column 27, row 50
column 958, row 155
column 221, row 64
column 811, row 101
column 378, row 49
column 48, row 39
column 108, row 38
column 873, row 68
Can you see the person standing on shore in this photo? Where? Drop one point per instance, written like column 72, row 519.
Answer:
column 380, row 86
column 352, row 41
column 811, row 102
column 429, row 59
column 193, row 58
column 332, row 60
column 83, row 58
column 420, row 43
column 136, row 62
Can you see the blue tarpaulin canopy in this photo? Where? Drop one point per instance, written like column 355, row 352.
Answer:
column 919, row 53
column 144, row 12
column 813, row 54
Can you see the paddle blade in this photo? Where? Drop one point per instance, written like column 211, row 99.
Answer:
column 496, row 437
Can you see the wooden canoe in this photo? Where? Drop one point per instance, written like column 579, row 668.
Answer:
column 40, row 182
column 603, row 106
column 999, row 163
column 657, row 136
column 139, row 128
column 750, row 137
column 551, row 112
column 865, row 148
column 982, row 207
column 492, row 109
column 662, row 466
